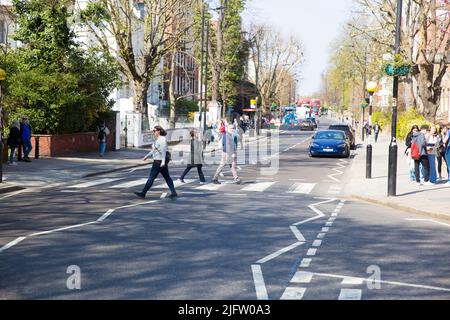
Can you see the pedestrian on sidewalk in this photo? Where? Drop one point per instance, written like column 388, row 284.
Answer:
column 25, row 138
column 446, row 140
column 376, row 130
column 440, row 149
column 103, row 132
column 411, row 163
column 432, row 141
column 229, row 155
column 195, row 158
column 421, row 141
column 161, row 157
column 13, row 141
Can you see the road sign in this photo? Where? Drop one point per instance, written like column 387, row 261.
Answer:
column 253, row 104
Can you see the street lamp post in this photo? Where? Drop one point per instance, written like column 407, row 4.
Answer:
column 2, row 78
column 393, row 148
column 371, row 88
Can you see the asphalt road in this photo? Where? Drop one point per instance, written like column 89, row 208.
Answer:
column 285, row 236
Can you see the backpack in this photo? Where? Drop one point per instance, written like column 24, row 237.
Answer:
column 415, row 151
column 101, row 134
column 168, row 157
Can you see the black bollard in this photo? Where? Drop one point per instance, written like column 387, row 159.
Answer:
column 36, row 150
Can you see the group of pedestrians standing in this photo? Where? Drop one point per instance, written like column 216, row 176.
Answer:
column 19, row 136
column 427, row 149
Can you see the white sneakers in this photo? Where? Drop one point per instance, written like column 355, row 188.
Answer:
column 429, row 183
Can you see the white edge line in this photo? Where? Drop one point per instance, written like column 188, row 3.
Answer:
column 106, row 215
column 385, row 282
column 298, row 234
column 279, row 253
column 260, row 286
column 12, row 243
column 61, row 229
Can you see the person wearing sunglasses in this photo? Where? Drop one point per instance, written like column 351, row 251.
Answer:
column 161, row 158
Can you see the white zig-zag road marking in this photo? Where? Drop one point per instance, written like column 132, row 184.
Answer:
column 99, row 220
column 430, row 220
column 261, row 291
column 338, row 172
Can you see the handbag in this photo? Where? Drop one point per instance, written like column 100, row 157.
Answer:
column 168, row 157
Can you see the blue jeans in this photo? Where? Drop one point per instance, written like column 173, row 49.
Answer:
column 447, row 160
column 156, row 169
column 102, row 148
column 433, row 172
column 26, row 147
column 11, row 156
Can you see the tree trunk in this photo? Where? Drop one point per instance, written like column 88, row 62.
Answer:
column 172, row 98
column 140, row 97
column 425, row 83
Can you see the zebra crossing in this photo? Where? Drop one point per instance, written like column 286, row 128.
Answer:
column 255, row 186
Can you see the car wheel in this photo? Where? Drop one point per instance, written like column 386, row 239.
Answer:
column 347, row 153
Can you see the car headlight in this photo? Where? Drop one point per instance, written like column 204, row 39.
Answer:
column 315, row 145
column 342, row 145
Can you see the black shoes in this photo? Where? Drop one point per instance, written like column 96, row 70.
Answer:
column 216, row 182
column 173, row 196
column 140, row 195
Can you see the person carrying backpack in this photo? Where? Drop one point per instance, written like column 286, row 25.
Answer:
column 420, row 155
column 103, row 131
column 195, row 158
column 13, row 141
column 412, row 171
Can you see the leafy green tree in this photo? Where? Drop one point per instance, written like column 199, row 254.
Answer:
column 62, row 87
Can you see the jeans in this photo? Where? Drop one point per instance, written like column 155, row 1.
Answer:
column 440, row 160
column 102, row 148
column 447, row 160
column 199, row 170
column 376, row 137
column 426, row 166
column 11, row 156
column 26, row 148
column 433, row 172
column 156, row 169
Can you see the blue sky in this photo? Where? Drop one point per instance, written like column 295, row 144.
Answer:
column 315, row 22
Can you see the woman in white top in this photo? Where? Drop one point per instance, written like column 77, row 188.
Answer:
column 161, row 159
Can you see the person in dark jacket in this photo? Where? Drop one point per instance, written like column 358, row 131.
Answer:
column 421, row 141
column 13, row 141
column 195, row 158
column 25, row 138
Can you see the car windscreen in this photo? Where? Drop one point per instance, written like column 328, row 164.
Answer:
column 331, row 135
column 343, row 128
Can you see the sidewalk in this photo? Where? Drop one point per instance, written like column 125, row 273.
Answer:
column 432, row 201
column 47, row 172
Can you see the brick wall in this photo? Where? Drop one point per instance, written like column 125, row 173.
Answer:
column 69, row 144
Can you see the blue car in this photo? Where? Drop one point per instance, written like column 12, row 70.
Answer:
column 330, row 143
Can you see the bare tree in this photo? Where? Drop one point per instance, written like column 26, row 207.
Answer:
column 140, row 33
column 273, row 58
column 425, row 36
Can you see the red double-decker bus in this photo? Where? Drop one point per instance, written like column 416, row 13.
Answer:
column 315, row 104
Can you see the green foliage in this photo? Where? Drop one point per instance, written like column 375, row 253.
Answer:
column 62, row 88
column 185, row 107
column 95, row 12
column 407, row 119
column 382, row 118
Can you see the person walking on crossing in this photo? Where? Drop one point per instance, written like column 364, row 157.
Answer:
column 229, row 155
column 195, row 158
column 161, row 157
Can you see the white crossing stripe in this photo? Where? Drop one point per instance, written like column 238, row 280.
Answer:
column 176, row 183
column 350, row 294
column 326, row 229
column 317, row 243
column 258, row 187
column 353, row 281
column 130, row 184
column 311, row 252
column 321, row 235
column 93, row 183
column 293, row 294
column 302, row 188
column 211, row 187
column 305, row 262
column 329, row 224
column 260, row 286
column 302, row 277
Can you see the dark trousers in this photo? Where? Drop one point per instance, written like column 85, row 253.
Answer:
column 440, row 160
column 426, row 168
column 199, row 170
column 156, row 169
